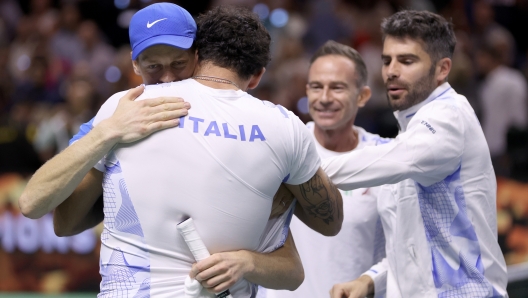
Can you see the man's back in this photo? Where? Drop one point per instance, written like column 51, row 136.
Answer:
column 221, row 167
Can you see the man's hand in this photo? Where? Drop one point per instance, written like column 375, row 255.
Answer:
column 222, row 270
column 134, row 120
column 281, row 201
column 358, row 288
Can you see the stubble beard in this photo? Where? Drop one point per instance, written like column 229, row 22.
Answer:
column 417, row 92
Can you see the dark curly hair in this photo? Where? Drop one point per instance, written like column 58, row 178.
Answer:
column 233, row 38
column 433, row 30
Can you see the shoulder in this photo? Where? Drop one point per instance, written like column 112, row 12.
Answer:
column 370, row 139
column 108, row 107
column 273, row 110
column 166, row 88
column 449, row 104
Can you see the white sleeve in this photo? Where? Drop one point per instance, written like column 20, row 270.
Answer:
column 305, row 160
column 427, row 152
column 276, row 231
column 105, row 112
column 378, row 273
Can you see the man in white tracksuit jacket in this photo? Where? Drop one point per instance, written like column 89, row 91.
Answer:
column 439, row 213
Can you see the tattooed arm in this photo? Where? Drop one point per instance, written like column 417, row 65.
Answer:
column 321, row 202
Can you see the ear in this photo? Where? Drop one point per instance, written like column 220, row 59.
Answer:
column 364, row 96
column 255, row 79
column 443, row 67
column 135, row 66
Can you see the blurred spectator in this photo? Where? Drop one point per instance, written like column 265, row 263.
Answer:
column 97, row 53
column 10, row 13
column 462, row 75
column 16, row 134
column 365, row 18
column 6, row 80
column 485, row 27
column 23, row 47
column 63, row 121
column 44, row 16
column 503, row 95
column 36, row 85
column 65, row 44
column 324, row 25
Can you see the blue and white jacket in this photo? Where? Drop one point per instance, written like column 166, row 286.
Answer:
column 439, row 208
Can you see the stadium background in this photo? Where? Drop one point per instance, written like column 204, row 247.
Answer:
column 59, row 60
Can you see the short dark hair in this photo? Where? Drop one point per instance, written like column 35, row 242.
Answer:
column 432, row 29
column 334, row 48
column 233, row 38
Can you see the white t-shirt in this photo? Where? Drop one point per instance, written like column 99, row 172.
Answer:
column 221, row 166
column 344, row 257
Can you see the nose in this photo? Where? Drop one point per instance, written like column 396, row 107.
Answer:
column 326, row 98
column 167, row 76
column 392, row 70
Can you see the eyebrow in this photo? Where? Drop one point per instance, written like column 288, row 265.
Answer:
column 401, row 56
column 331, row 83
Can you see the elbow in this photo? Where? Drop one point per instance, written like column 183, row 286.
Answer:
column 61, row 229
column 337, row 217
column 61, row 232
column 337, row 228
column 297, row 280
column 334, row 229
column 26, row 208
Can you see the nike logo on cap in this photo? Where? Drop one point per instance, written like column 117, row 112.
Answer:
column 152, row 24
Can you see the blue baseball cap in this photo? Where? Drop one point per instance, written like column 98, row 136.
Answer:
column 161, row 23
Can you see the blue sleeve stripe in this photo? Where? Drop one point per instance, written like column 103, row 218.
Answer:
column 283, row 111
column 286, row 178
column 83, row 130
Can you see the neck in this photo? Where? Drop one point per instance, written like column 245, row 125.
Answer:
column 211, row 70
column 342, row 139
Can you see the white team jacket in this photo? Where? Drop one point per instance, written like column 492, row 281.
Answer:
column 439, row 213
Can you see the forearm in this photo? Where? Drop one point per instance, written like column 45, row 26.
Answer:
column 280, row 269
column 73, row 216
column 368, row 282
column 309, row 220
column 57, row 179
column 378, row 278
column 369, row 167
column 321, row 204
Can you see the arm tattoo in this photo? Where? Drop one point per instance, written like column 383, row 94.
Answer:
column 316, row 194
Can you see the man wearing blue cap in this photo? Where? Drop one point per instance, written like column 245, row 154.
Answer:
column 160, row 54
column 69, row 174
column 162, row 36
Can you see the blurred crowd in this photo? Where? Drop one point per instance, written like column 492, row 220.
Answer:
column 58, row 65
column 61, row 59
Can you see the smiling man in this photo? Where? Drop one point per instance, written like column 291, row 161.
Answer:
column 336, row 90
column 438, row 213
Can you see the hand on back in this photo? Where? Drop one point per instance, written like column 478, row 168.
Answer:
column 134, row 120
column 221, row 270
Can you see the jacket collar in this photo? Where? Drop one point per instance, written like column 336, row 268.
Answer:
column 405, row 116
